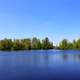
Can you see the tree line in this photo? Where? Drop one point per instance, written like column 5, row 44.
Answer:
column 66, row 44
column 25, row 44
column 37, row 44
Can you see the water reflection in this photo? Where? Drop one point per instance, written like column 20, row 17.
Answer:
column 71, row 57
column 46, row 58
column 40, row 58
column 48, row 64
column 51, row 58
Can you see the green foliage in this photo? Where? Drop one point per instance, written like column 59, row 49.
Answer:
column 74, row 44
column 78, row 44
column 6, row 44
column 46, row 44
column 70, row 45
column 27, row 44
column 37, row 44
column 64, row 44
column 18, row 45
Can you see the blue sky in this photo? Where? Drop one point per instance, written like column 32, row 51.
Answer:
column 56, row 19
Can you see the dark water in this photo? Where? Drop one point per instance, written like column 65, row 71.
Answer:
column 40, row 65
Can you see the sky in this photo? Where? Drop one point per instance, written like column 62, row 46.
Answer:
column 56, row 19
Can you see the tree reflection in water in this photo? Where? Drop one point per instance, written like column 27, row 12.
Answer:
column 71, row 57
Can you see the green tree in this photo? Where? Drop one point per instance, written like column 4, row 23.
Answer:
column 46, row 44
column 6, row 44
column 27, row 43
column 74, row 44
column 36, row 44
column 18, row 45
column 78, row 44
column 64, row 44
column 70, row 45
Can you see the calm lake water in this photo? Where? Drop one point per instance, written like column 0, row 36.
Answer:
column 40, row 65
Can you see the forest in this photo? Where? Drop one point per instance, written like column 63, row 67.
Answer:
column 37, row 44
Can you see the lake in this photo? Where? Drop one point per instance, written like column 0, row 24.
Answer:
column 40, row 65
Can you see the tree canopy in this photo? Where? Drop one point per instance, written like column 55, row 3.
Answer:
column 65, row 44
column 25, row 44
column 37, row 44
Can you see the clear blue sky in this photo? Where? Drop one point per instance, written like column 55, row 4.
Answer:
column 56, row 19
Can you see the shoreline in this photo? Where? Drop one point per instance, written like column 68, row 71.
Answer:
column 40, row 50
